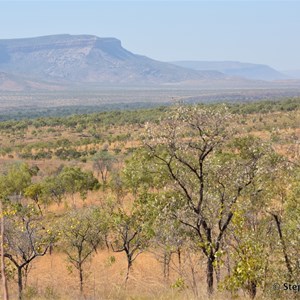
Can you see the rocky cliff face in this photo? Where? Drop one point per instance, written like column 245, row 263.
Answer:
column 88, row 59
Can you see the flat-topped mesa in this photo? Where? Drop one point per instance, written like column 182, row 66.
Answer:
column 85, row 59
column 57, row 42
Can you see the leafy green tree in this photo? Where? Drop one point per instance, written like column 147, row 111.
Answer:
column 207, row 170
column 129, row 234
column 139, row 178
column 74, row 180
column 117, row 185
column 50, row 189
column 25, row 238
column 284, row 210
column 67, row 181
column 24, row 235
column 262, row 237
column 248, row 250
column 82, row 232
column 35, row 191
column 168, row 238
column 15, row 179
column 103, row 163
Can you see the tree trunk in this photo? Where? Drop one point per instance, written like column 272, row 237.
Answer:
column 179, row 258
column 129, row 264
column 39, row 207
column 3, row 274
column 20, row 282
column 284, row 250
column 167, row 258
column 252, row 289
column 81, row 278
column 73, row 200
column 218, row 273
column 194, row 279
column 210, row 275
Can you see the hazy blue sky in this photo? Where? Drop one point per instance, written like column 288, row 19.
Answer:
column 251, row 31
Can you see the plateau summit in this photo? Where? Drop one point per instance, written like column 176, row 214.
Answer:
column 73, row 59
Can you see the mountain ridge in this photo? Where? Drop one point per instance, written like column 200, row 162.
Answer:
column 235, row 68
column 88, row 59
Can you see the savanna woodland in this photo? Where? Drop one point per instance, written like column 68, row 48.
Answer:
column 181, row 202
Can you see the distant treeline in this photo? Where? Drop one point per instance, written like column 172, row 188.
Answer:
column 122, row 113
column 62, row 111
column 265, row 106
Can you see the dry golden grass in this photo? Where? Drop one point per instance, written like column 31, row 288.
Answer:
column 50, row 278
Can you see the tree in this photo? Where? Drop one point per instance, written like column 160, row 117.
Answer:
column 208, row 169
column 3, row 268
column 283, row 208
column 82, row 231
column 129, row 235
column 145, row 182
column 103, row 163
column 35, row 191
column 67, row 181
column 51, row 189
column 16, row 178
column 74, row 180
column 168, row 238
column 133, row 226
column 25, row 238
column 248, row 250
column 12, row 184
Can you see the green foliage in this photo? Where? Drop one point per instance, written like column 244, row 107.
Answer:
column 70, row 180
column 265, row 106
column 110, row 261
column 82, row 233
column 52, row 190
column 103, row 163
column 15, row 179
column 26, row 237
column 179, row 284
column 249, row 255
column 141, row 174
column 211, row 169
column 77, row 181
column 130, row 233
column 51, row 293
column 30, row 292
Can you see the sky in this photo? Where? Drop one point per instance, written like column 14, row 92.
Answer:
column 265, row 32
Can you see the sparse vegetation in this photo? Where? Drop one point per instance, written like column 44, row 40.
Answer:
column 179, row 202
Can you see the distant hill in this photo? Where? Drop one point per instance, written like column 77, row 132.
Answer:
column 234, row 68
column 85, row 59
column 295, row 74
